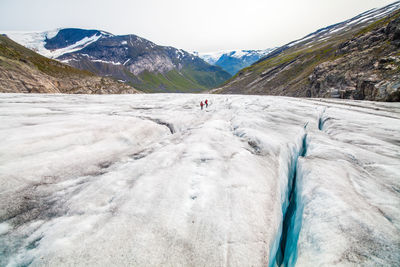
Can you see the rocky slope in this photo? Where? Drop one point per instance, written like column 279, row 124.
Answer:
column 129, row 58
column 235, row 60
column 356, row 59
column 24, row 71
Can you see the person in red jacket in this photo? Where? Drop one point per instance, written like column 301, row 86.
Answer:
column 201, row 105
column 206, row 102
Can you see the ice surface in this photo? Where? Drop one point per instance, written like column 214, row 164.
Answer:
column 4, row 227
column 151, row 180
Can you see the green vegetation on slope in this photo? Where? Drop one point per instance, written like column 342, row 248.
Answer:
column 172, row 81
column 186, row 80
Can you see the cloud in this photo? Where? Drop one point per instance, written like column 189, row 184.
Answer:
column 206, row 25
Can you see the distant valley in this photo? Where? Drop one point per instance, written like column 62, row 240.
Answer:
column 234, row 60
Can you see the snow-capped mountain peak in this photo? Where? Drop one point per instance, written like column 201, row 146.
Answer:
column 234, row 60
column 128, row 58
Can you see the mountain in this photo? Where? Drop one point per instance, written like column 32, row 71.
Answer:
column 234, row 60
column 358, row 58
column 129, row 58
column 24, row 71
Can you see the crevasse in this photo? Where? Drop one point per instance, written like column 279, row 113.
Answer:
column 284, row 249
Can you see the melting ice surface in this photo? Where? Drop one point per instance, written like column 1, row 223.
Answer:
column 151, row 180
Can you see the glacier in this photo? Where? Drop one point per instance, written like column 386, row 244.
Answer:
column 152, row 180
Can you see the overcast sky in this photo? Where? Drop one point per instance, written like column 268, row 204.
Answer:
column 193, row 25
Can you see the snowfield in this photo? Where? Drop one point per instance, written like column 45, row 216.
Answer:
column 151, row 180
column 36, row 41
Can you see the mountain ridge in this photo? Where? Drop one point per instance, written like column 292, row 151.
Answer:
column 24, row 71
column 234, row 60
column 357, row 58
column 132, row 59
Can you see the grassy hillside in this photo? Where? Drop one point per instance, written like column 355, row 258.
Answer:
column 187, row 80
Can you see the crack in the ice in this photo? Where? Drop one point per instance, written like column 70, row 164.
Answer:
column 141, row 154
column 161, row 122
column 256, row 150
column 320, row 124
column 321, row 121
column 287, row 251
column 105, row 164
column 33, row 244
column 145, row 108
column 254, row 144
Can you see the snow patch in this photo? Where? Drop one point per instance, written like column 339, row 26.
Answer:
column 52, row 34
column 126, row 61
column 338, row 29
column 106, row 62
column 301, row 40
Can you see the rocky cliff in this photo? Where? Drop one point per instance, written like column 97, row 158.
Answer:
column 355, row 59
column 24, row 71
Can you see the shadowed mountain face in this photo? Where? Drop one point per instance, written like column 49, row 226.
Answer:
column 357, row 59
column 128, row 58
column 24, row 71
column 67, row 37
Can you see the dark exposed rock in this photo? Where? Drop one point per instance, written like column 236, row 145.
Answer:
column 361, row 66
column 67, row 37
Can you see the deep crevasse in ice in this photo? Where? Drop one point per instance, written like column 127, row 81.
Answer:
column 152, row 180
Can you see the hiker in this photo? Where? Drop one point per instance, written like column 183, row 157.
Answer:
column 206, row 102
column 201, row 105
